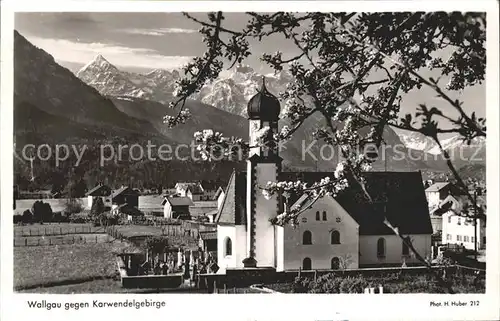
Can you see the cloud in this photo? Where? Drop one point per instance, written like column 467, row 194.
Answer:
column 157, row 32
column 82, row 53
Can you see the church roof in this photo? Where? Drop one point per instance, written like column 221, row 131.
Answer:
column 233, row 209
column 400, row 196
column 263, row 105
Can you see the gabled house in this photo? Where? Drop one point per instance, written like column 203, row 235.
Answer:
column 99, row 191
column 458, row 224
column 177, row 207
column 125, row 195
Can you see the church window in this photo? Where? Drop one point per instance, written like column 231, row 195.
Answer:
column 324, row 215
column 307, row 264
column 381, row 247
column 406, row 249
column 307, row 238
column 317, row 215
column 335, row 263
column 335, row 237
column 228, row 247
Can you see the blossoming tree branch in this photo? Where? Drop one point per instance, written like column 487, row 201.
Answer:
column 353, row 69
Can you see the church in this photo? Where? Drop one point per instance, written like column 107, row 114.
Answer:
column 342, row 232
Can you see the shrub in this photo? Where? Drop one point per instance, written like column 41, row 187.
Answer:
column 42, row 212
column 79, row 218
column 27, row 217
column 18, row 218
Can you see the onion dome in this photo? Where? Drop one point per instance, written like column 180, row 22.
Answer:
column 264, row 105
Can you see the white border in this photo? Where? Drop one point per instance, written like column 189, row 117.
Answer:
column 254, row 307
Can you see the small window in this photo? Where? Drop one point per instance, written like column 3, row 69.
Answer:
column 324, row 215
column 448, row 237
column 229, row 247
column 335, row 237
column 466, row 238
column 307, row 238
column 381, row 248
column 472, row 239
column 317, row 215
column 459, row 221
column 484, row 239
column 466, row 222
column 307, row 264
column 449, row 219
column 304, row 220
column 406, row 249
column 459, row 238
column 335, row 263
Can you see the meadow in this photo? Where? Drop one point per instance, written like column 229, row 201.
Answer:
column 63, row 265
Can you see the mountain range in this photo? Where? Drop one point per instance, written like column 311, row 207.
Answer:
column 102, row 102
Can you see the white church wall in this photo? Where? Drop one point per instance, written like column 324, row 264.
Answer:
column 321, row 251
column 393, row 249
column 264, row 210
column 280, row 248
column 237, row 234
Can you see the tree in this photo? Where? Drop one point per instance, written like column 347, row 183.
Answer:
column 352, row 69
column 97, row 211
column 42, row 212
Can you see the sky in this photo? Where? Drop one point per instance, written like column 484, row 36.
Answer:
column 142, row 42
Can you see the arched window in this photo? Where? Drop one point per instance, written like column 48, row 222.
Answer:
column 228, row 246
column 307, row 238
column 381, row 247
column 324, row 215
column 317, row 215
column 306, row 264
column 335, row 237
column 335, row 263
column 406, row 249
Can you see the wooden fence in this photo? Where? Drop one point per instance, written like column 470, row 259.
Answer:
column 55, row 230
column 38, row 241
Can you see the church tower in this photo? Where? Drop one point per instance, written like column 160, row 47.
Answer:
column 263, row 165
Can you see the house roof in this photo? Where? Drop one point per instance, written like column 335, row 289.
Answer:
column 178, row 201
column 208, row 235
column 233, row 208
column 399, row 196
column 124, row 190
column 98, row 188
column 436, row 187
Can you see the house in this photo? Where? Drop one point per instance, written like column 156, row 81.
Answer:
column 208, row 241
column 458, row 226
column 190, row 190
column 334, row 232
column 131, row 213
column 125, row 195
column 176, row 207
column 99, row 191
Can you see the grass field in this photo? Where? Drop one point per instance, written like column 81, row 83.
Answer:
column 46, row 266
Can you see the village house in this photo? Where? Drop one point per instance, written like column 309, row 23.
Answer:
column 458, row 225
column 99, row 191
column 334, row 232
column 125, row 195
column 177, row 207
